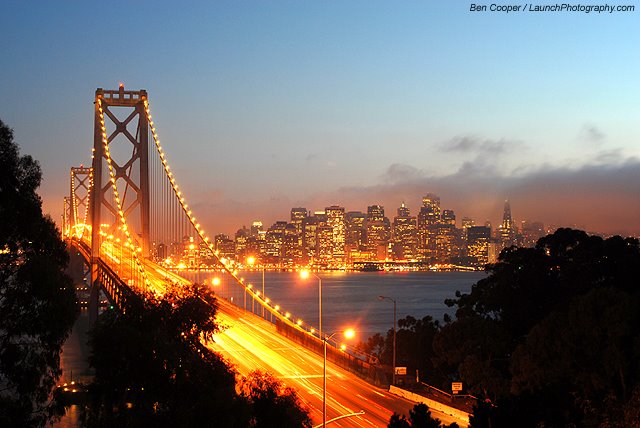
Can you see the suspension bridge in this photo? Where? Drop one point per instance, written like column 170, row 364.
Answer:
column 129, row 220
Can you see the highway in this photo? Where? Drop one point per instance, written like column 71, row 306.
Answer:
column 248, row 343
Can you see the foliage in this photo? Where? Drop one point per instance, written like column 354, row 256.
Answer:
column 37, row 300
column 375, row 345
column 419, row 417
column 414, row 346
column 414, row 350
column 552, row 336
column 152, row 370
column 272, row 404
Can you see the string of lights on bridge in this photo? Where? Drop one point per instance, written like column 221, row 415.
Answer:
column 226, row 264
column 74, row 205
column 135, row 249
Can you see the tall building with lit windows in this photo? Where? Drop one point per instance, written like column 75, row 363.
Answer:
column 336, row 220
column 242, row 239
column 309, row 232
column 355, row 240
column 225, row 246
column 404, row 235
column 298, row 215
column 507, row 232
column 324, row 246
column 428, row 217
column 291, row 250
column 466, row 224
column 378, row 232
column 274, row 241
column 478, row 245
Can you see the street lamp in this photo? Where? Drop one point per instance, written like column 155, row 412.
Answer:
column 252, row 261
column 304, row 274
column 253, row 300
column 394, row 334
column 348, row 334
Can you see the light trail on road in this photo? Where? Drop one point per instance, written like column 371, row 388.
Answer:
column 248, row 343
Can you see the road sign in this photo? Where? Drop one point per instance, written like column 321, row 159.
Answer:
column 456, row 387
column 401, row 370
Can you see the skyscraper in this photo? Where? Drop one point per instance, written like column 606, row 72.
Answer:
column 507, row 229
column 297, row 216
column 295, row 237
column 478, row 240
column 404, row 235
column 336, row 220
column 355, row 239
column 428, row 217
column 378, row 231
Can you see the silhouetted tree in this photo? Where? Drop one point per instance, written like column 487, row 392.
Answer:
column 552, row 335
column 414, row 346
column 419, row 417
column 375, row 346
column 152, row 370
column 398, row 421
column 272, row 404
column 37, row 300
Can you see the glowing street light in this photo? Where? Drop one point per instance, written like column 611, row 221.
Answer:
column 348, row 334
column 304, row 274
column 251, row 261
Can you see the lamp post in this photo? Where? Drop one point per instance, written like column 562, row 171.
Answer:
column 251, row 261
column 349, row 333
column 304, row 274
column 253, row 299
column 394, row 335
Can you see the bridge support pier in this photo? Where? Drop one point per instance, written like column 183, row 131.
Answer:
column 94, row 294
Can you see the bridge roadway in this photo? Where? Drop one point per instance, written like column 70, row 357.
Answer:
column 249, row 342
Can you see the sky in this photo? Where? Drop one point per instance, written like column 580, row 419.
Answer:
column 262, row 106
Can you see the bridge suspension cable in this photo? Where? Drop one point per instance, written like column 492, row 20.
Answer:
column 134, row 247
column 174, row 211
column 173, row 233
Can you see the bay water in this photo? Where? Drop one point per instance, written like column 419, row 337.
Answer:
column 350, row 299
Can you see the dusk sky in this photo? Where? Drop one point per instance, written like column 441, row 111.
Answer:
column 266, row 105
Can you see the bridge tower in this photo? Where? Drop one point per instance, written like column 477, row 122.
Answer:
column 128, row 140
column 66, row 217
column 80, row 187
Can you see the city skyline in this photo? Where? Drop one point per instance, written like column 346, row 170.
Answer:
column 336, row 238
column 264, row 106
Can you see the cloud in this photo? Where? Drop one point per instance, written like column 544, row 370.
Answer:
column 592, row 134
column 599, row 196
column 469, row 144
column 401, row 173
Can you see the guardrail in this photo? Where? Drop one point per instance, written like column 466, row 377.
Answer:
column 343, row 359
column 433, row 404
